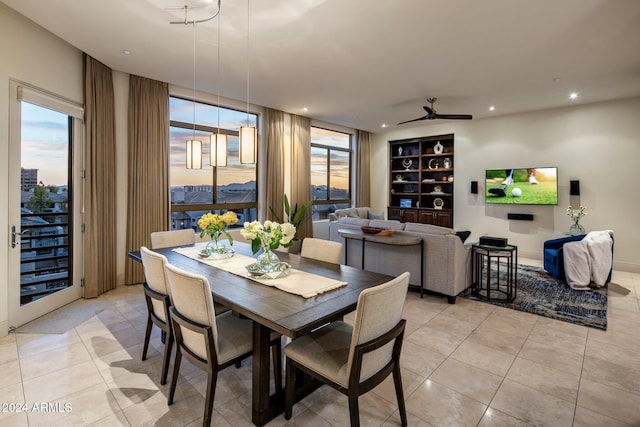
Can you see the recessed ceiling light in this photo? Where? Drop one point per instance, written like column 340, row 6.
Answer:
column 573, row 95
column 126, row 52
column 384, row 125
column 492, row 108
column 305, row 109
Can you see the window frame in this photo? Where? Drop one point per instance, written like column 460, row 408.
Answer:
column 214, row 206
column 329, row 149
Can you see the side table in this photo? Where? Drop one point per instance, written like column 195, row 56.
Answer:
column 496, row 288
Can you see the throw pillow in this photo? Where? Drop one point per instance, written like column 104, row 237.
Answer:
column 463, row 235
column 372, row 215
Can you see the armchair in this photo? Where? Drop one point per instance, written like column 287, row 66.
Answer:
column 553, row 256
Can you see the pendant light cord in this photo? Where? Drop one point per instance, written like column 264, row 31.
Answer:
column 194, row 81
column 247, row 62
column 219, row 73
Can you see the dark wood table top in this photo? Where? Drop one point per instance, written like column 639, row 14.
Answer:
column 286, row 313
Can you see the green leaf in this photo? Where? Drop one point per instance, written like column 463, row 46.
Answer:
column 255, row 245
column 228, row 237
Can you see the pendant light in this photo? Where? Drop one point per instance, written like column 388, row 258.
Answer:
column 248, row 134
column 194, row 147
column 218, row 140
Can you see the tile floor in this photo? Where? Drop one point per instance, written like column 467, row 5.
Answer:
column 468, row 364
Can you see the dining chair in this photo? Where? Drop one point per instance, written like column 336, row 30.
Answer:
column 321, row 249
column 354, row 359
column 165, row 239
column 156, row 295
column 210, row 342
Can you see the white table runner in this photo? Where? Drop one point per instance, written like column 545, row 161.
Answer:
column 298, row 282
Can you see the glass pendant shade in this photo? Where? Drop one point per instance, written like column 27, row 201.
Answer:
column 248, row 138
column 194, row 154
column 218, row 149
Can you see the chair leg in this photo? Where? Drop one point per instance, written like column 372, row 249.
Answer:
column 174, row 378
column 397, row 380
column 147, row 336
column 167, row 356
column 276, row 354
column 289, row 389
column 212, row 378
column 163, row 337
column 354, row 413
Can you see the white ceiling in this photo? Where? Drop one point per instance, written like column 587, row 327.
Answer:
column 362, row 63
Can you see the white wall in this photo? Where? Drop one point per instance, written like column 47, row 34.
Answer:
column 31, row 55
column 598, row 144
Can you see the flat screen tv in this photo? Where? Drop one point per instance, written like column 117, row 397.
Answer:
column 527, row 186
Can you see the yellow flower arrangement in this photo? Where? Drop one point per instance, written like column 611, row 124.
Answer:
column 214, row 225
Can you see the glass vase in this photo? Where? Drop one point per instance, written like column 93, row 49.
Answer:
column 576, row 229
column 268, row 261
column 219, row 250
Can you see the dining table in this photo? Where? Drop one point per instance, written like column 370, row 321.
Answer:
column 272, row 309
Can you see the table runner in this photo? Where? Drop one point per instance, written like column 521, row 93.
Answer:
column 297, row 282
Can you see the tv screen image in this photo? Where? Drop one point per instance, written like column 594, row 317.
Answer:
column 526, row 186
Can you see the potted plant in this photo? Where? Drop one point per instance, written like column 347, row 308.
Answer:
column 295, row 217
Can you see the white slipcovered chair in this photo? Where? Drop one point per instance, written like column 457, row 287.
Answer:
column 156, row 295
column 322, row 250
column 166, row 239
column 209, row 342
column 355, row 359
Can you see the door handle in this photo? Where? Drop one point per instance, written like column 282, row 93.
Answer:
column 15, row 236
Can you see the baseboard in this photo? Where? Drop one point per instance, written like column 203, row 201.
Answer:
column 629, row 267
column 4, row 328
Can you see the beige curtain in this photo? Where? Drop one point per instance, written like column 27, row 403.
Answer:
column 148, row 198
column 363, row 169
column 275, row 163
column 301, row 169
column 100, row 180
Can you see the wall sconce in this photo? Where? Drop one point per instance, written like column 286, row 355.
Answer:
column 218, row 149
column 248, row 137
column 574, row 188
column 194, row 154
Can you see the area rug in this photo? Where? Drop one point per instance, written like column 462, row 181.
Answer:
column 67, row 317
column 540, row 293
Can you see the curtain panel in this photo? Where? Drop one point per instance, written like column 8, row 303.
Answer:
column 301, row 170
column 148, row 164
column 100, row 180
column 363, row 168
column 275, row 163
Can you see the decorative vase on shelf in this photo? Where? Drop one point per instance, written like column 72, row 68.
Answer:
column 576, row 229
column 268, row 261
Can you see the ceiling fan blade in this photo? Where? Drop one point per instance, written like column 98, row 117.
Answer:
column 428, row 110
column 415, row 120
column 454, row 116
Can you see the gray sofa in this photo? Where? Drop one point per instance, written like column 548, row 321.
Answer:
column 446, row 260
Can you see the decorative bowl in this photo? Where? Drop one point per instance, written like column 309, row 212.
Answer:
column 204, row 253
column 376, row 230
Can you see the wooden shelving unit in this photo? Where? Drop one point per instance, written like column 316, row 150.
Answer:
column 421, row 180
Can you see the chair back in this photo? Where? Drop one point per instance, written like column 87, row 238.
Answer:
column 165, row 239
column 322, row 250
column 153, row 264
column 191, row 297
column 379, row 310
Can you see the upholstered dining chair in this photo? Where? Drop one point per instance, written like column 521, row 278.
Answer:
column 355, row 359
column 165, row 239
column 156, row 295
column 209, row 342
column 322, row 250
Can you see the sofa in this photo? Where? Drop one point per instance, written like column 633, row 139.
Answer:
column 446, row 261
column 364, row 213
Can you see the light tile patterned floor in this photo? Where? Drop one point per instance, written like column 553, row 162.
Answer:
column 468, row 364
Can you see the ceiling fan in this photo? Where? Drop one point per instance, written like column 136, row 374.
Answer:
column 432, row 115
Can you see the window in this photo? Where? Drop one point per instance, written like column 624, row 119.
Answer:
column 330, row 171
column 210, row 189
